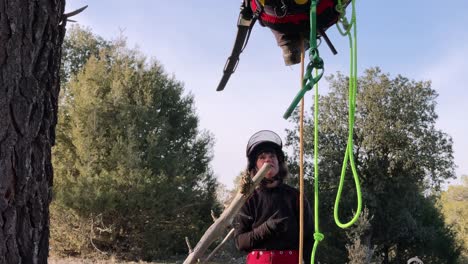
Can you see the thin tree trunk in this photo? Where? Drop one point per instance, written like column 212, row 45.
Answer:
column 31, row 35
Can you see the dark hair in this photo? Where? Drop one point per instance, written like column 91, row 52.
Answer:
column 267, row 148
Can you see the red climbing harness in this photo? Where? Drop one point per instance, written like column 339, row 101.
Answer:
column 273, row 257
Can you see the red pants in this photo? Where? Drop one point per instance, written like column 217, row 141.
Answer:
column 273, row 257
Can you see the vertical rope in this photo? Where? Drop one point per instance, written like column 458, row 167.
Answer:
column 317, row 235
column 315, row 56
column 301, row 163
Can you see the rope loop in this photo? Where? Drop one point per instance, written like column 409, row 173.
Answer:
column 307, row 85
column 346, row 26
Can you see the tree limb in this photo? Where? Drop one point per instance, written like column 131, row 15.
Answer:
column 219, row 226
column 74, row 13
column 213, row 216
column 226, row 238
column 190, row 250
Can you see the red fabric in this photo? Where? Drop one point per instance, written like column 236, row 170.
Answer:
column 323, row 5
column 294, row 18
column 273, row 257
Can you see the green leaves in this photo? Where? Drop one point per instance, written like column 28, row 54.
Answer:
column 129, row 150
column 454, row 205
column 400, row 156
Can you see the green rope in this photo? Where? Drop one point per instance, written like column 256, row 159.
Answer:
column 351, row 112
column 315, row 62
column 317, row 235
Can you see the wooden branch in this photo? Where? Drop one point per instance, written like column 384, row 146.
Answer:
column 190, row 250
column 219, row 226
column 226, row 238
column 91, row 235
column 74, row 13
column 213, row 216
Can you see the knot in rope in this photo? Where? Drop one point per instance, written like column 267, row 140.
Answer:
column 316, row 62
column 318, row 236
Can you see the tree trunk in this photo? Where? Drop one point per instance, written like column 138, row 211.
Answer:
column 31, row 35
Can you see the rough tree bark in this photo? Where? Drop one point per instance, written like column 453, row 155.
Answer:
column 31, row 35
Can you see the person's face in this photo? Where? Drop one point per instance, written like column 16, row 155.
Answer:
column 272, row 159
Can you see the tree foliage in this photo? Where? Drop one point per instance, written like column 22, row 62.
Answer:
column 79, row 45
column 130, row 158
column 454, row 205
column 401, row 157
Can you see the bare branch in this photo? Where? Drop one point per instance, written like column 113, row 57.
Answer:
column 91, row 236
column 213, row 216
column 74, row 13
column 219, row 226
column 226, row 238
column 188, row 245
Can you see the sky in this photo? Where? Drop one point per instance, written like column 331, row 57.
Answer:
column 421, row 40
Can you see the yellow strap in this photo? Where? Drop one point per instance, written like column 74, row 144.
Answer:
column 301, row 2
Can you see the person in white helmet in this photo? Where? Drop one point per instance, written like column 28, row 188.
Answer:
column 267, row 226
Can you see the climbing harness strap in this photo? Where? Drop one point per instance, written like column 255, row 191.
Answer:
column 272, row 257
column 245, row 24
column 280, row 12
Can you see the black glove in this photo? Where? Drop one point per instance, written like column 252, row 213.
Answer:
column 273, row 225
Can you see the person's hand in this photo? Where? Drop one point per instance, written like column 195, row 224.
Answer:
column 276, row 224
column 273, row 225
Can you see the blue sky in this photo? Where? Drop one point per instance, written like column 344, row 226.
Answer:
column 422, row 40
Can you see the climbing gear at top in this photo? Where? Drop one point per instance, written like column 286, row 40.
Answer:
column 315, row 62
column 280, row 15
column 245, row 24
column 276, row 12
column 291, row 54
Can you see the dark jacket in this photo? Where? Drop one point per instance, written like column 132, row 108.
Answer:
column 252, row 232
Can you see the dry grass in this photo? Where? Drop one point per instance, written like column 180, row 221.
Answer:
column 111, row 260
